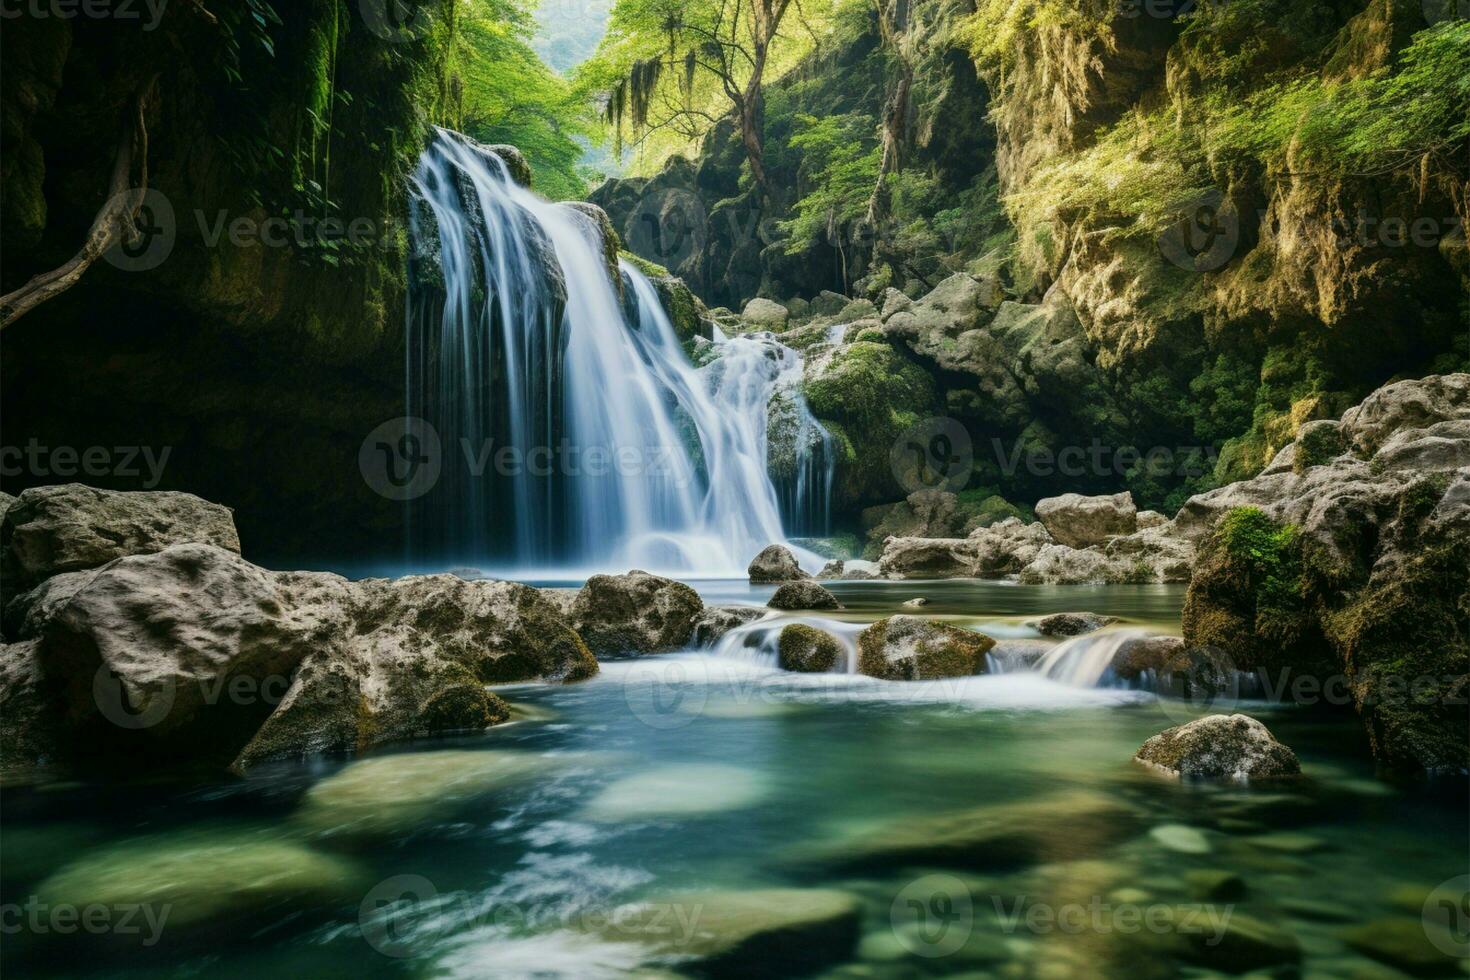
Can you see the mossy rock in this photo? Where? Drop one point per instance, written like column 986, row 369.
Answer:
column 206, row 878
column 392, row 794
column 807, row 650
column 906, row 648
column 867, row 397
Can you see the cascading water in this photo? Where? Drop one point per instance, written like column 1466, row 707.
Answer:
column 575, row 432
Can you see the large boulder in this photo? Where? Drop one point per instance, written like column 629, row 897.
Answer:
column 1352, row 567
column 906, row 648
column 1220, row 747
column 635, row 613
column 775, row 564
column 803, row 595
column 1006, row 548
column 1082, row 522
column 71, row 527
column 765, row 314
column 927, row 558
column 805, row 649
column 151, row 642
column 193, row 654
column 413, row 662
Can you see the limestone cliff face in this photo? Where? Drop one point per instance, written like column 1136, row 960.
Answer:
column 1219, row 301
column 259, row 339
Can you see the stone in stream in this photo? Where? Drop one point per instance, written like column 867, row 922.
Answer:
column 203, row 878
column 392, row 794
column 71, row 527
column 1220, row 747
column 1064, row 826
column 793, row 931
column 716, row 621
column 678, row 791
column 1216, row 884
column 1180, row 838
column 635, row 613
column 1071, row 623
column 906, row 648
column 1407, row 945
column 775, row 564
column 918, row 602
column 807, row 650
column 1234, row 942
column 803, row 595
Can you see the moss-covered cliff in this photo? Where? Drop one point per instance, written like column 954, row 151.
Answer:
column 258, row 338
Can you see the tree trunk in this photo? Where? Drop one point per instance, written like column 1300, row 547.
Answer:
column 113, row 224
column 893, row 20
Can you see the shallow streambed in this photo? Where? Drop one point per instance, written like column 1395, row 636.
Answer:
column 681, row 779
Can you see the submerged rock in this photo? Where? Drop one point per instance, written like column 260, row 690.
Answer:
column 392, row 794
column 775, row 564
column 742, row 933
column 635, row 613
column 803, row 595
column 805, row 649
column 1405, row 944
column 205, row 878
column 1061, row 826
column 71, row 527
column 1220, row 747
column 1071, row 624
column 1082, row 522
column 716, row 621
column 678, row 791
column 906, row 648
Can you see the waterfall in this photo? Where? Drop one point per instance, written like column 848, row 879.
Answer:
column 1086, row 661
column 575, row 432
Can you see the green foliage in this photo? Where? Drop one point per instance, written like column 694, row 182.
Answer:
column 1269, row 553
column 502, row 92
column 839, row 163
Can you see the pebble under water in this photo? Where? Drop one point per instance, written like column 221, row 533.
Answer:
column 739, row 800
